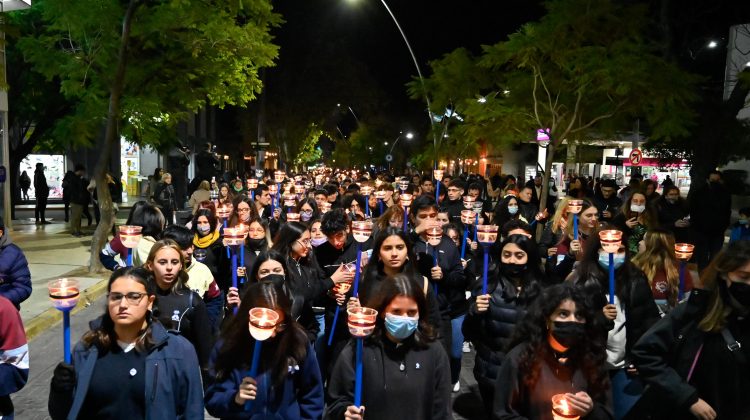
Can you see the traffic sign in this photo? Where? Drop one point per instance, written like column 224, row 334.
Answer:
column 636, row 156
column 389, row 157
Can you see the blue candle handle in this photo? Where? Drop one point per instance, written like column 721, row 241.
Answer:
column 129, row 260
column 463, row 243
column 681, row 290
column 333, row 325
column 358, row 374
column 254, row 370
column 355, row 291
column 611, row 278
column 234, row 272
column 242, row 255
column 367, row 205
column 406, row 221
column 575, row 226
column 484, row 271
column 66, row 335
column 380, row 205
column 437, row 191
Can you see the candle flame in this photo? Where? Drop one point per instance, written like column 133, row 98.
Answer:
column 564, row 406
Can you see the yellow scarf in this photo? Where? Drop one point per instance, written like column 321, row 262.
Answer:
column 207, row 240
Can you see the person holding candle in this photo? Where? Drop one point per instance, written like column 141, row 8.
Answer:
column 176, row 306
column 636, row 217
column 658, row 261
column 128, row 365
column 622, row 322
column 288, row 385
column 569, row 249
column 207, row 236
column 151, row 220
column 555, row 349
column 355, row 206
column 607, row 201
column 554, row 231
column 491, row 318
column 243, row 210
column 405, row 370
column 695, row 359
column 308, row 210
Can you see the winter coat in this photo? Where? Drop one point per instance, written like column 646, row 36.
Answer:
column 15, row 277
column 173, row 387
column 398, row 382
column 186, row 312
column 14, row 350
column 451, row 289
column 41, row 189
column 675, row 345
column 300, row 397
column 164, row 197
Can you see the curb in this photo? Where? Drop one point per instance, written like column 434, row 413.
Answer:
column 52, row 316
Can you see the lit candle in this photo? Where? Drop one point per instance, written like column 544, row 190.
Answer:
column 561, row 410
column 467, row 218
column 130, row 236
column 292, row 217
column 361, row 324
column 262, row 324
column 405, row 203
column 64, row 294
column 575, row 207
column 683, row 252
column 486, row 235
column 611, row 240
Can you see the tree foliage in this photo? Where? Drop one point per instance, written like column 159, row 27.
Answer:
column 309, row 152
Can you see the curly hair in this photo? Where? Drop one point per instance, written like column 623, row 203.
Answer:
column 532, row 333
column 334, row 221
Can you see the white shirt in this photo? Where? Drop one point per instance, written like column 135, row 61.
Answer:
column 616, row 339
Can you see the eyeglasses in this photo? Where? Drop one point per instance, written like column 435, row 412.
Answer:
column 133, row 298
column 304, row 242
column 243, row 210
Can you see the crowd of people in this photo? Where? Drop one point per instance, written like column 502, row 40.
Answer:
column 174, row 341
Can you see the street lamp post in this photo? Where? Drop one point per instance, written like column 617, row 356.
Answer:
column 409, row 136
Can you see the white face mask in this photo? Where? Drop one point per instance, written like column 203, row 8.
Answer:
column 638, row 209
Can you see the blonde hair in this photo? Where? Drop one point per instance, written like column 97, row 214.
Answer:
column 182, row 276
column 561, row 211
column 204, row 185
column 659, row 255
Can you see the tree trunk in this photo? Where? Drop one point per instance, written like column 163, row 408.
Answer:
column 110, row 137
column 545, row 185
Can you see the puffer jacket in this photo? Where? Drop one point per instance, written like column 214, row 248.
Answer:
column 15, row 278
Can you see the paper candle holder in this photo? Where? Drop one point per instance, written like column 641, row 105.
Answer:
column 361, row 230
column 575, row 206
column 279, row 176
column 380, row 194
column 406, row 199
column 469, row 202
column 684, row 251
column 486, row 234
column 309, row 184
column 468, row 217
column 438, row 174
column 273, row 189
column 252, row 183
column 325, row 207
column 130, row 235
column 213, row 194
column 366, row 190
column 259, row 173
column 64, row 293
column 290, row 200
column 611, row 240
column 561, row 409
column 223, row 211
column 297, row 178
column 234, row 236
column 262, row 323
column 434, row 236
column 361, row 321
column 292, row 217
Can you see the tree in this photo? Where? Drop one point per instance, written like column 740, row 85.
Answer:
column 577, row 71
column 170, row 59
column 309, row 152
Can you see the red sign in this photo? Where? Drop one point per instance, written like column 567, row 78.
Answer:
column 636, row 156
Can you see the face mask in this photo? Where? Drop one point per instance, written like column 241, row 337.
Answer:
column 512, row 209
column 671, row 200
column 203, row 230
column 637, row 208
column 305, row 216
column 401, row 327
column 255, row 244
column 512, row 270
column 318, row 242
column 742, row 221
column 568, row 333
column 619, row 260
column 276, row 279
column 741, row 293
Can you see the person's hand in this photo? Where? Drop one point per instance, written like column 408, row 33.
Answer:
column 247, row 391
column 276, row 213
column 340, row 298
column 575, row 246
column 541, row 215
column 364, row 259
column 632, row 222
column 241, row 271
column 551, row 251
column 64, row 377
column 580, row 402
column 352, row 303
column 701, row 410
column 463, row 263
column 342, row 274
column 610, row 311
column 436, row 273
column 483, row 303
column 354, row 413
column 233, row 297
column 427, row 225
column 606, row 214
column 681, row 223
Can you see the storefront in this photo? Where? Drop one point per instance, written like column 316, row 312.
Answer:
column 54, row 171
column 650, row 168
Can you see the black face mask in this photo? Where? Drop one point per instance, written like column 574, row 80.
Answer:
column 741, row 293
column 568, row 333
column 256, row 244
column 512, row 270
column 276, row 279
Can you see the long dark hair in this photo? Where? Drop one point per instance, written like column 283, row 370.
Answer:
column 104, row 336
column 234, row 219
column 313, row 204
column 393, row 287
column 374, row 269
column 588, row 355
column 732, row 258
column 532, row 279
column 264, row 256
column 149, row 218
column 211, row 216
column 288, row 234
column 502, row 215
column 288, row 348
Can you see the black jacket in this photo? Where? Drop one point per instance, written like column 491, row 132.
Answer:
column 451, row 289
column 666, row 353
column 710, row 209
column 186, row 313
column 420, row 390
column 612, row 205
column 164, row 196
column 669, row 214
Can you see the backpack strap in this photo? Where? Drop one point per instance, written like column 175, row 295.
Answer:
column 733, row 345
